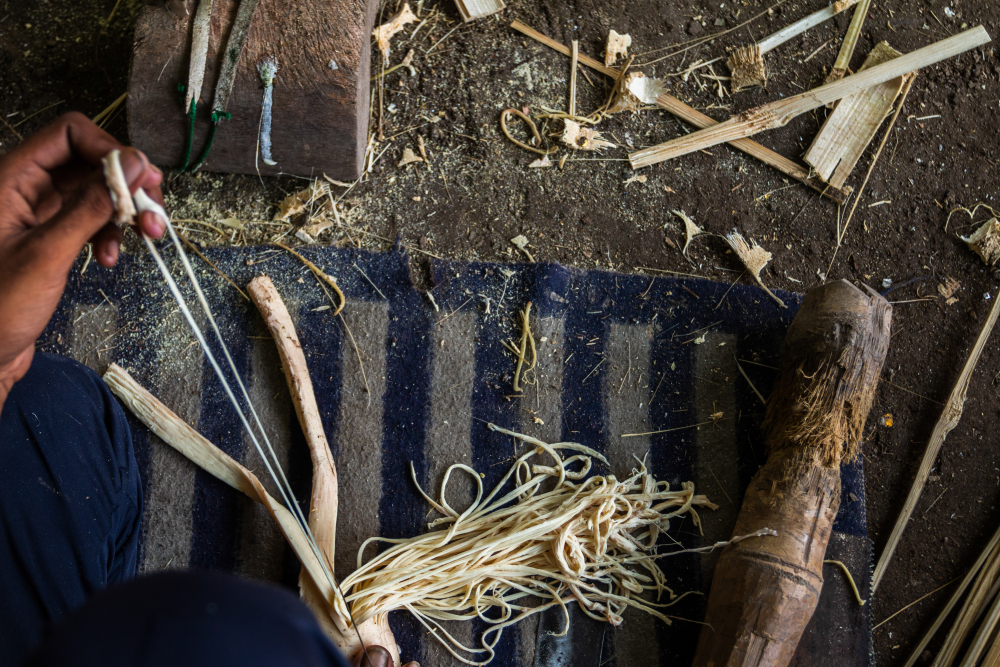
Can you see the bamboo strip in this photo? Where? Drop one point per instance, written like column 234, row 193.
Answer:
column 955, row 597
column 178, row 434
column 777, row 114
column 850, row 42
column 949, row 419
column 323, row 501
column 476, row 9
column 775, row 40
column 983, row 635
column 693, row 116
column 847, row 131
column 574, row 58
column 969, row 614
column 201, row 30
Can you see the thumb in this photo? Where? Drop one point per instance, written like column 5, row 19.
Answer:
column 87, row 209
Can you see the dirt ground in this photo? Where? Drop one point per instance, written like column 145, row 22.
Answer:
column 478, row 193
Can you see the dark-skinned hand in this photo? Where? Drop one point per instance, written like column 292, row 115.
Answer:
column 377, row 657
column 53, row 200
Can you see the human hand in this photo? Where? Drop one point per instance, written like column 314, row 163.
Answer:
column 377, row 657
column 53, row 200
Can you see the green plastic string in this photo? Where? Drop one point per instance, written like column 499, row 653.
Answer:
column 217, row 117
column 192, row 115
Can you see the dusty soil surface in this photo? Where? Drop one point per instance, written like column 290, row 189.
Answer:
column 478, row 193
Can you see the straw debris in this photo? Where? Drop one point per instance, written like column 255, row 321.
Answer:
column 583, row 138
column 754, row 258
column 746, row 64
column 296, row 203
column 691, row 230
column 985, row 241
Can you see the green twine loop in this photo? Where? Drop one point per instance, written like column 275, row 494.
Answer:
column 192, row 115
column 217, row 117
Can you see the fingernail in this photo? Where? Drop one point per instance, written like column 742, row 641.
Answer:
column 377, row 657
column 112, row 250
column 133, row 164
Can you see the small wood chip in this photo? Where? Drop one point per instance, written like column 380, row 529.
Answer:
column 583, row 138
column 617, row 46
column 948, row 288
column 691, row 230
column 754, row 258
column 635, row 179
column 298, row 202
column 384, row 32
column 409, row 157
column 541, row 163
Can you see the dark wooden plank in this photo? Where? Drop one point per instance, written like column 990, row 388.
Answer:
column 320, row 114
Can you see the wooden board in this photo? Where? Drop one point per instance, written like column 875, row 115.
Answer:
column 320, row 113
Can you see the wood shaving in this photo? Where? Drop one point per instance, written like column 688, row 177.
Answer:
column 300, row 201
column 617, row 46
column 636, row 90
column 691, row 230
column 754, row 258
column 635, row 179
column 409, row 157
column 841, row 5
column 384, row 32
column 583, row 138
column 747, row 67
column 541, row 163
column 985, row 241
column 948, row 288
column 590, row 539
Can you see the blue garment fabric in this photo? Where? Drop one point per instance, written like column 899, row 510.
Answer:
column 193, row 618
column 70, row 508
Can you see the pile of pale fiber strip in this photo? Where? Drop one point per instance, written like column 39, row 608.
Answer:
column 618, row 356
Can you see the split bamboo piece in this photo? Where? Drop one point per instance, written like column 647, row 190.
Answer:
column 477, row 9
column 955, row 597
column 747, row 62
column 948, row 420
column 978, row 600
column 684, row 112
column 323, row 501
column 178, row 434
column 843, row 62
column 847, row 131
column 777, row 114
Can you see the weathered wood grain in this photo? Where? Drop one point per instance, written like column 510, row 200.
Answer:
column 320, row 113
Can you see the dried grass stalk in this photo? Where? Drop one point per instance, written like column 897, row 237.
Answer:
column 840, row 67
column 589, row 539
column 847, row 131
column 754, row 257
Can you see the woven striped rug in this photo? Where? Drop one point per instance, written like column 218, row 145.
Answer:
column 407, row 377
